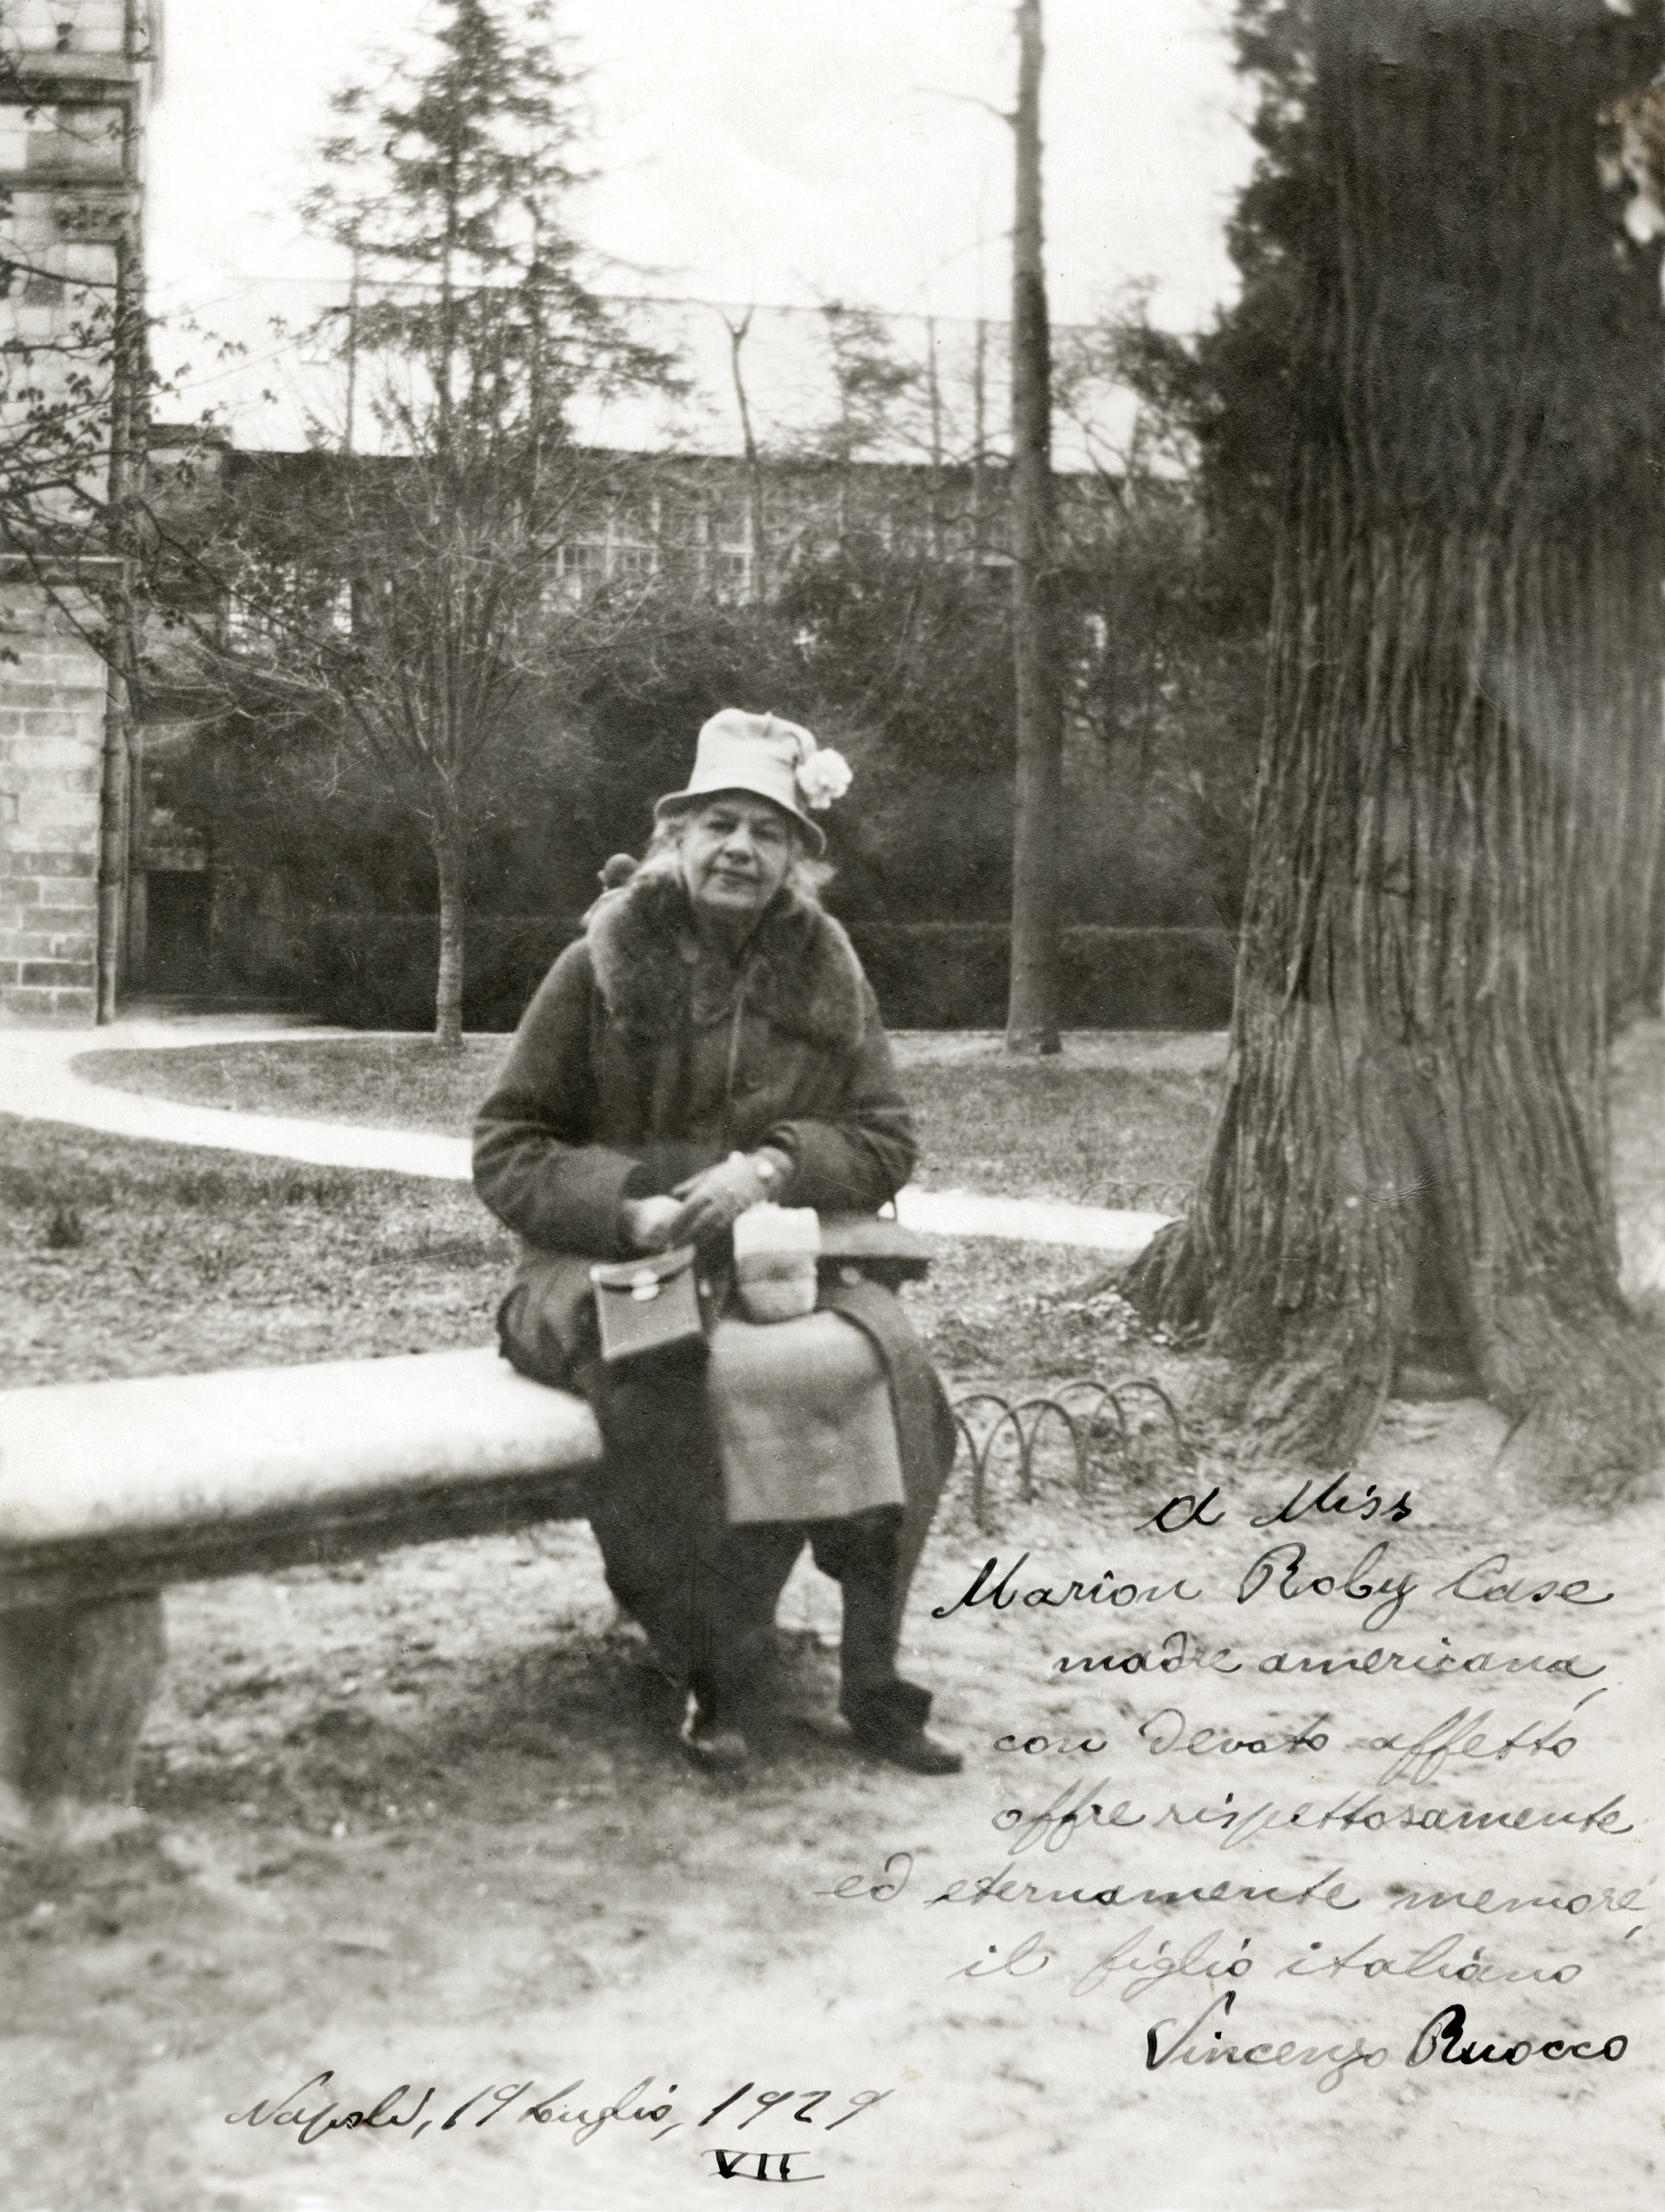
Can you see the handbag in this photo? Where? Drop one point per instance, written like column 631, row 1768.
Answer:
column 856, row 1247
column 649, row 1305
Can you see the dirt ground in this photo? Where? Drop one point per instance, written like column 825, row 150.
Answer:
column 424, row 1821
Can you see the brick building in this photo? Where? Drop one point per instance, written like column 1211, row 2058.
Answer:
column 75, row 78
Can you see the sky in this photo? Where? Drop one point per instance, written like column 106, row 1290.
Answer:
column 781, row 152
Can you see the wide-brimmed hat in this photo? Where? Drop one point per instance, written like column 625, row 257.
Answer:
column 772, row 758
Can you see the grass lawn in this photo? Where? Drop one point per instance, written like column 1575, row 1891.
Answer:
column 1117, row 1120
column 125, row 1257
column 129, row 1257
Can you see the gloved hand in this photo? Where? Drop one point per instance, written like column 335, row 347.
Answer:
column 648, row 1222
column 713, row 1201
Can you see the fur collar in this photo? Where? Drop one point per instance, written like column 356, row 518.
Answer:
column 800, row 972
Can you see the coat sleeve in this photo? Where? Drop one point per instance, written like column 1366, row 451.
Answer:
column 857, row 1157
column 535, row 1165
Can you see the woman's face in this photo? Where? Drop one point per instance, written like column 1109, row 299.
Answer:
column 735, row 852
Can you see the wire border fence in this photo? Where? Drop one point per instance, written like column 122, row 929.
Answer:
column 1083, row 1410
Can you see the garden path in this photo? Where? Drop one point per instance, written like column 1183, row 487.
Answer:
column 39, row 1080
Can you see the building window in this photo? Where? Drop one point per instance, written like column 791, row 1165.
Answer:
column 582, row 569
column 81, row 142
column 733, row 574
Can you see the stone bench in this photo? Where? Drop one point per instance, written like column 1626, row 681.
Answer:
column 111, row 1490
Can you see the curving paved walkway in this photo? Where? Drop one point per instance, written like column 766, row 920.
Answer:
column 38, row 1081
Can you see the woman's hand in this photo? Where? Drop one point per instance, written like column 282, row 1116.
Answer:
column 713, row 1201
column 648, row 1222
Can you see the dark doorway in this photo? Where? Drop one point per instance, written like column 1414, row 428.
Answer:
column 176, row 931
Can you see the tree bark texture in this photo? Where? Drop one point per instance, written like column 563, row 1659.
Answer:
column 1032, row 1006
column 756, row 511
column 1457, row 839
column 117, row 797
column 450, row 867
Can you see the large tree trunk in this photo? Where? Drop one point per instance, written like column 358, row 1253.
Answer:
column 447, row 990
column 1448, row 874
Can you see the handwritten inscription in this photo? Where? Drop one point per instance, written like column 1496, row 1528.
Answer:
column 1204, row 2043
column 1075, row 1811
column 1181, row 1649
column 1444, row 2035
column 1283, row 1569
column 314, row 2114
column 1270, row 1744
column 759, row 2165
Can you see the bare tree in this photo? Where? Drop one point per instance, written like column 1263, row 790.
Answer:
column 1032, row 1017
column 756, row 509
column 402, row 601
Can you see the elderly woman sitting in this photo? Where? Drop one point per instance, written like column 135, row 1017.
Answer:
column 711, row 1044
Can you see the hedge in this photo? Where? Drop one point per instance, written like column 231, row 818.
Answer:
column 954, row 975
column 376, row 971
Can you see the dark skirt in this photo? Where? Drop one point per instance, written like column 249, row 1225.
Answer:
column 705, row 1592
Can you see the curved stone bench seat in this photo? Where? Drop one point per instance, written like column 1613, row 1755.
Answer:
column 109, row 1487
column 111, row 1490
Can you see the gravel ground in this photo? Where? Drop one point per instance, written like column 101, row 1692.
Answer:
column 423, row 1821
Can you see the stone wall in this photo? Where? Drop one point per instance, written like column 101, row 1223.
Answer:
column 52, row 710
column 69, row 206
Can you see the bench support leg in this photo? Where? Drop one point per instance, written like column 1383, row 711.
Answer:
column 75, row 1684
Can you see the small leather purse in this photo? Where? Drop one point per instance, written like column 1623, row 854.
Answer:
column 648, row 1305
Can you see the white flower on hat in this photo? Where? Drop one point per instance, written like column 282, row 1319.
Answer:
column 822, row 777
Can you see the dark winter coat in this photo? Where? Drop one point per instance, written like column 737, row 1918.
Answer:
column 644, row 1058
